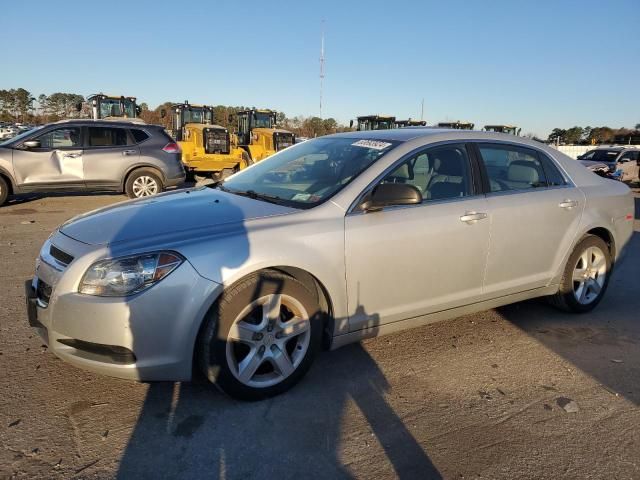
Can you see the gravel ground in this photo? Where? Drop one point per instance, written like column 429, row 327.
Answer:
column 519, row 392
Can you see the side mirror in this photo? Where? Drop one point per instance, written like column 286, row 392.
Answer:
column 31, row 144
column 163, row 113
column 79, row 106
column 350, row 123
column 623, row 160
column 390, row 194
column 230, row 118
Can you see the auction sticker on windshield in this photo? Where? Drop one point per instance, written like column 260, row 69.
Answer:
column 375, row 144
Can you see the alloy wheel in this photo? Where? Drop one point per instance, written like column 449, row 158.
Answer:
column 145, row 186
column 589, row 275
column 268, row 340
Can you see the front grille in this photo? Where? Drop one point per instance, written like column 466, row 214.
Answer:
column 43, row 291
column 216, row 140
column 283, row 140
column 60, row 256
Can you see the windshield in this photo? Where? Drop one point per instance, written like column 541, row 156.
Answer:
column 111, row 107
column 308, row 173
column 263, row 120
column 600, row 155
column 17, row 138
column 195, row 115
column 129, row 108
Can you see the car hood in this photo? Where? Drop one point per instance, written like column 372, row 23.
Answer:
column 172, row 215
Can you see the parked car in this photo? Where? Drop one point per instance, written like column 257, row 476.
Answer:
column 139, row 159
column 8, row 131
column 327, row 242
column 622, row 161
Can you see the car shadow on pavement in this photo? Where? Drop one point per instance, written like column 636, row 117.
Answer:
column 190, row 430
column 605, row 343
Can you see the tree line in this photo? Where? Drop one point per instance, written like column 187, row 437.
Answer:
column 594, row 135
column 20, row 105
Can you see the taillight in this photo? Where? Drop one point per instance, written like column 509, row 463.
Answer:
column 171, row 148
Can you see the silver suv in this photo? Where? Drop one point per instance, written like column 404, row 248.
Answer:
column 135, row 158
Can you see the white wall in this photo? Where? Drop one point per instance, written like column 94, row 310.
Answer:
column 574, row 150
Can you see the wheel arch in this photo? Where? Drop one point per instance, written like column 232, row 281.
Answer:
column 7, row 178
column 139, row 166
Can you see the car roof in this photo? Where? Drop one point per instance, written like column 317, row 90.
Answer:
column 118, row 123
column 411, row 133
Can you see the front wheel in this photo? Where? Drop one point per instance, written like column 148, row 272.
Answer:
column 4, row 191
column 261, row 336
column 585, row 277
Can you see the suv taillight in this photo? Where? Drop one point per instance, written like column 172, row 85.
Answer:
column 171, row 148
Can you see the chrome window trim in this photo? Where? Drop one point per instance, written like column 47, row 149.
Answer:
column 352, row 210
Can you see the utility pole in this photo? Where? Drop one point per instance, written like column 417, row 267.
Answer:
column 422, row 110
column 321, row 64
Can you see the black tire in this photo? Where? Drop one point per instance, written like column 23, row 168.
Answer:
column 4, row 191
column 565, row 299
column 212, row 341
column 137, row 174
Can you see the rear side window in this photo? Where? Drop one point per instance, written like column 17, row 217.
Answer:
column 107, row 137
column 512, row 168
column 139, row 135
column 439, row 173
column 554, row 177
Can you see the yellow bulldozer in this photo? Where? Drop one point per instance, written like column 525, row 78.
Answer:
column 208, row 150
column 511, row 129
column 112, row 107
column 374, row 122
column 409, row 123
column 258, row 134
column 457, row 125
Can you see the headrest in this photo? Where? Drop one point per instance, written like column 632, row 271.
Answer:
column 520, row 171
column 448, row 162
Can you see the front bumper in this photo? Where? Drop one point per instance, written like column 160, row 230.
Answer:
column 147, row 336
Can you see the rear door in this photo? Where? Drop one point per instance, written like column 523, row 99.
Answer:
column 56, row 163
column 109, row 151
column 628, row 163
column 535, row 212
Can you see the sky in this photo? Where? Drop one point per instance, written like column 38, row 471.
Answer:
column 537, row 64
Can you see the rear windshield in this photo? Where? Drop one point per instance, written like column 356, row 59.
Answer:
column 600, row 155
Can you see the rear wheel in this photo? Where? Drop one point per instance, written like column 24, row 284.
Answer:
column 585, row 277
column 143, row 182
column 4, row 191
column 261, row 336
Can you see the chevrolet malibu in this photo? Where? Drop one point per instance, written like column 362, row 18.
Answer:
column 328, row 242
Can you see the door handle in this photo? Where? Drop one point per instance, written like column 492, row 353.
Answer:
column 472, row 217
column 129, row 152
column 71, row 155
column 568, row 204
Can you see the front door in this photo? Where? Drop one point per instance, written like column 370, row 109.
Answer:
column 57, row 162
column 407, row 261
column 535, row 214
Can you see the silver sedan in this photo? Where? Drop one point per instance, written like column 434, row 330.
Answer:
column 325, row 243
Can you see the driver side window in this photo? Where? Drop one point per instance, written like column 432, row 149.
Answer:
column 65, row 137
column 439, row 173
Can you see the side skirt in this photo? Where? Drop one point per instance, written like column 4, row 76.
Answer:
column 379, row 330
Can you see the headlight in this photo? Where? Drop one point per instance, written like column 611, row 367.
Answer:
column 127, row 275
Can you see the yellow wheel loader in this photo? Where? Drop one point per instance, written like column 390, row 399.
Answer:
column 409, row 123
column 208, row 150
column 511, row 129
column 457, row 125
column 112, row 107
column 374, row 122
column 258, row 134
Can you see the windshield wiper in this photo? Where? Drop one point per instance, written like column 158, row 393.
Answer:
column 252, row 194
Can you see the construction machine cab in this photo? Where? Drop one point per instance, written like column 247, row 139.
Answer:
column 510, row 129
column 258, row 133
column 457, row 125
column 375, row 122
column 185, row 114
column 409, row 123
column 112, row 107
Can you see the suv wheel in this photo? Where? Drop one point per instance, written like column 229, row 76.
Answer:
column 143, row 182
column 261, row 336
column 4, row 191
